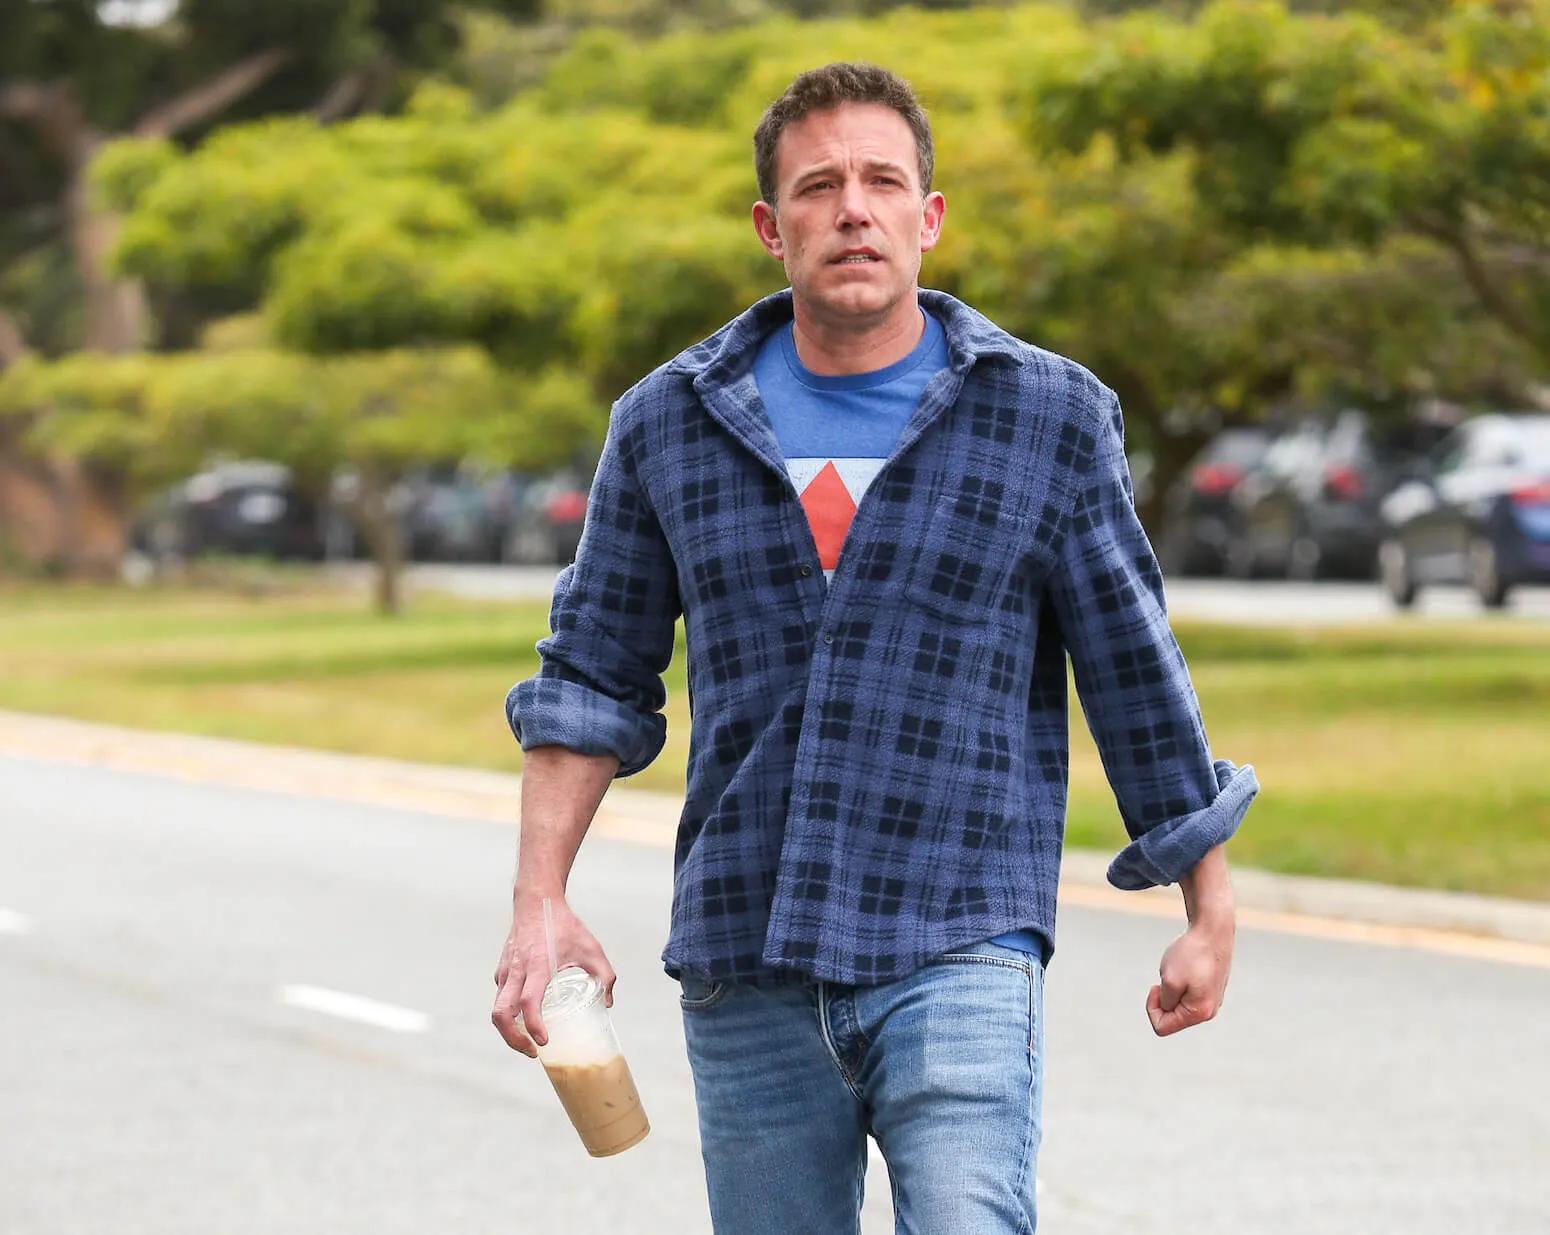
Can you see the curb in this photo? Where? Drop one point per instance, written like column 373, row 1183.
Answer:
column 651, row 818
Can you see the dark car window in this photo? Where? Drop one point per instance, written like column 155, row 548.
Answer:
column 1401, row 441
column 1453, row 450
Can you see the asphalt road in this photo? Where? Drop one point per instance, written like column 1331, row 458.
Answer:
column 1267, row 601
column 177, row 1055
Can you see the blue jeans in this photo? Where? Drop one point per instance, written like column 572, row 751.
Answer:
column 942, row 1068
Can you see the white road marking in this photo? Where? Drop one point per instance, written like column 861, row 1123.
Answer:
column 354, row 1008
column 13, row 923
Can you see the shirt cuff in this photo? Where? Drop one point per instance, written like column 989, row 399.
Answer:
column 1174, row 847
column 556, row 712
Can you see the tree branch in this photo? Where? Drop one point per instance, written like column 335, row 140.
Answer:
column 214, row 96
column 28, row 100
column 365, row 89
column 50, row 106
column 1494, row 298
column 342, row 98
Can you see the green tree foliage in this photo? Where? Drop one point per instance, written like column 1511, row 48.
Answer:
column 1101, row 188
column 76, row 73
column 1341, row 130
column 69, row 80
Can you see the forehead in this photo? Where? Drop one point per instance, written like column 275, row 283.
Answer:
column 851, row 132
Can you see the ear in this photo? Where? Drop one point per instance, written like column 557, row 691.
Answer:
column 931, row 221
column 768, row 228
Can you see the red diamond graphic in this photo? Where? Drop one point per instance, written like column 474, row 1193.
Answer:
column 829, row 512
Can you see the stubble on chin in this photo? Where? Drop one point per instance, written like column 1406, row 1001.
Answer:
column 849, row 308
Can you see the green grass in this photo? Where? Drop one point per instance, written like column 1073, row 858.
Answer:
column 1413, row 753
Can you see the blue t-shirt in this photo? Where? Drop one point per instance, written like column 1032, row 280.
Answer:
column 836, row 432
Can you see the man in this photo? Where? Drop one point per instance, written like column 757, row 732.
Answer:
column 885, row 523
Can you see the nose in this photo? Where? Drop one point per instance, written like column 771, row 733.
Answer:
column 855, row 210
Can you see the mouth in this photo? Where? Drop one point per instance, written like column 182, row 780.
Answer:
column 856, row 257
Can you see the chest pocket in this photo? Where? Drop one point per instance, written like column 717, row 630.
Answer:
column 969, row 558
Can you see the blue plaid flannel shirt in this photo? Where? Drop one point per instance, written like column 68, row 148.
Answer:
column 877, row 770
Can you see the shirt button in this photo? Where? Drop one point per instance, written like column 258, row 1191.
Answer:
column 828, row 638
column 806, row 570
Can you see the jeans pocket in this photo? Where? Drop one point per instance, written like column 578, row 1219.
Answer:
column 696, row 995
column 1028, row 971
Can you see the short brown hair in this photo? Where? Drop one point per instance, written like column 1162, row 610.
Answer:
column 821, row 89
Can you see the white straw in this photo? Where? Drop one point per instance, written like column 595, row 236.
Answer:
column 554, row 958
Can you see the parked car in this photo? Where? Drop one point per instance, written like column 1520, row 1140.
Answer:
column 546, row 520
column 505, row 494
column 1476, row 512
column 1194, row 539
column 342, row 538
column 444, row 517
column 252, row 507
column 1309, row 508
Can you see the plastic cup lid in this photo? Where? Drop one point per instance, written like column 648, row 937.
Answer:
column 570, row 991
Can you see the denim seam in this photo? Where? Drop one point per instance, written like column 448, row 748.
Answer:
column 717, row 994
column 860, row 1184
column 979, row 959
column 827, row 1035
column 1033, row 1075
column 1033, row 1029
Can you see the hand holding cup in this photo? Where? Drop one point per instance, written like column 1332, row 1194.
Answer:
column 524, row 969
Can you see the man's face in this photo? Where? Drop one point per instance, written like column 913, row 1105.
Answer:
column 849, row 221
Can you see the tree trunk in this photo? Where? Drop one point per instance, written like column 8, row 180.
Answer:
column 92, row 521
column 379, row 529
column 115, row 308
column 1171, row 454
column 12, row 345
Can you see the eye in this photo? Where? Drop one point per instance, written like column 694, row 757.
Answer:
column 818, row 184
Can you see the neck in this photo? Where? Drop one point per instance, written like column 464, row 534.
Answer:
column 834, row 348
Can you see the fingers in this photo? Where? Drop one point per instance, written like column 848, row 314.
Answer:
column 1164, row 1020
column 523, row 973
column 532, row 1000
column 506, row 1016
column 595, row 963
column 1182, row 1014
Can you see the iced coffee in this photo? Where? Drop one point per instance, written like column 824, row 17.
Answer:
column 586, row 1067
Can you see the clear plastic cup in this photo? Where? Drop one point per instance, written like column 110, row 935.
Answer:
column 586, row 1067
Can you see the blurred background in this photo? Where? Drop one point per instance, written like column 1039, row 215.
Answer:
column 311, row 316
column 327, row 280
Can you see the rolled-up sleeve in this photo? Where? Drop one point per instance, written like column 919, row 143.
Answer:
column 1176, row 800
column 598, row 689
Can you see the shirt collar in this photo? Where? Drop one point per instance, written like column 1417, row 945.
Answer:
column 729, row 353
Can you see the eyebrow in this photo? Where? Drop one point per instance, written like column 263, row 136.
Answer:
column 831, row 170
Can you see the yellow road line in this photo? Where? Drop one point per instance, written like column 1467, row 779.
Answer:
column 314, row 774
column 1344, row 930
